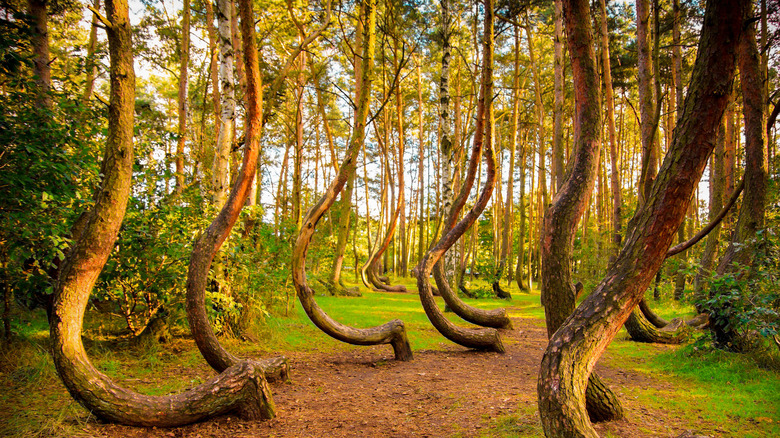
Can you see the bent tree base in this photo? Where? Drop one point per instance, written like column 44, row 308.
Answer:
column 393, row 332
column 241, row 389
column 641, row 330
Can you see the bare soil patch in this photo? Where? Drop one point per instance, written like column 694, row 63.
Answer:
column 448, row 392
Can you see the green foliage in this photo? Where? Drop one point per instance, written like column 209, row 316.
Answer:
column 148, row 270
column 49, row 170
column 747, row 298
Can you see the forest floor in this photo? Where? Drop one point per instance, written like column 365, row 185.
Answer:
column 339, row 390
column 446, row 392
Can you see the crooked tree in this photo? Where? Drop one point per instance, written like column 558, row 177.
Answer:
column 562, row 217
column 481, row 338
column 576, row 346
column 392, row 332
column 241, row 388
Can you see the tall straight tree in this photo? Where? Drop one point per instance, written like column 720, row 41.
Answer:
column 184, row 60
column 213, row 64
column 715, row 205
column 741, row 249
column 221, row 166
column 421, row 217
column 38, row 10
column 576, row 346
column 91, row 63
column 617, row 195
column 558, row 95
column 647, row 99
column 506, row 243
column 541, row 136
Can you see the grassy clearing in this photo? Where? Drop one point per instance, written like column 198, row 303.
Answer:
column 714, row 391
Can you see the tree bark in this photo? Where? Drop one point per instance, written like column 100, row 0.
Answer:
column 392, row 332
column 241, row 388
column 741, row 249
column 617, row 195
column 38, row 10
column 482, row 338
column 562, row 217
column 576, row 346
column 182, row 96
column 221, row 165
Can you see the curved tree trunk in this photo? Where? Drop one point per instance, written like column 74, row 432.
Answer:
column 207, row 246
column 392, row 332
column 241, row 388
column 651, row 316
column 496, row 318
column 370, row 268
column 642, row 330
column 483, row 338
column 576, row 346
column 562, row 217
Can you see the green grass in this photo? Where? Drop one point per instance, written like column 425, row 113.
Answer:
column 713, row 389
column 716, row 392
column 296, row 332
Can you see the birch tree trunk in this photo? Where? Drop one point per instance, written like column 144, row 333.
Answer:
column 221, row 166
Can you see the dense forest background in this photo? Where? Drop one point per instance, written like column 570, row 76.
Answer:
column 191, row 113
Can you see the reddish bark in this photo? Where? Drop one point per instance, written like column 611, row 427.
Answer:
column 577, row 345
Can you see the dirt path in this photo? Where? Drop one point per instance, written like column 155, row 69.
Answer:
column 362, row 392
